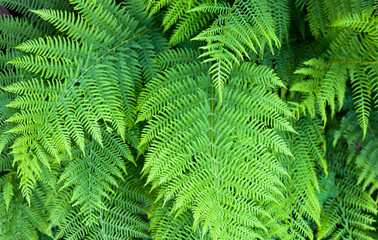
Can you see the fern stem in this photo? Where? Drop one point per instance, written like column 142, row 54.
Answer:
column 291, row 179
column 222, row 45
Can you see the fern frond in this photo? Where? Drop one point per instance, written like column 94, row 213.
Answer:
column 53, row 67
column 326, row 83
column 122, row 217
column 361, row 95
column 75, row 26
column 100, row 76
column 242, row 27
column 347, row 210
column 19, row 27
column 31, row 219
column 189, row 26
column 92, row 173
column 23, row 6
column 316, row 17
column 365, row 21
column 202, row 153
column 281, row 18
column 302, row 204
column 166, row 226
column 361, row 154
column 55, row 47
column 258, row 74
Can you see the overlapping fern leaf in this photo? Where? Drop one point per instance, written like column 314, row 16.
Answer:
column 15, row 30
column 241, row 28
column 352, row 54
column 92, row 174
column 348, row 211
column 89, row 77
column 164, row 225
column 115, row 124
column 325, row 83
column 18, row 219
column 213, row 159
column 302, row 204
column 123, row 214
column 362, row 152
column 187, row 23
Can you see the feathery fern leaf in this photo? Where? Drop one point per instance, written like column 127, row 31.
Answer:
column 326, row 83
column 242, row 27
column 212, row 158
column 92, row 173
column 362, row 154
column 90, row 76
column 165, row 225
column 121, row 217
column 347, row 210
column 302, row 204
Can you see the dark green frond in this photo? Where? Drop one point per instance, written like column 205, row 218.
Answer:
column 347, row 210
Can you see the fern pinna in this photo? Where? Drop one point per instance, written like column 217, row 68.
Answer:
column 200, row 119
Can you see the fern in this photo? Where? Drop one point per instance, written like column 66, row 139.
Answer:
column 31, row 221
column 242, row 27
column 121, row 217
column 87, row 91
column 362, row 154
column 326, row 83
column 301, row 202
column 347, row 211
column 196, row 144
column 327, row 79
column 166, row 226
column 92, row 173
column 191, row 119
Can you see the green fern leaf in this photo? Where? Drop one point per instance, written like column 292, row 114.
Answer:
column 196, row 143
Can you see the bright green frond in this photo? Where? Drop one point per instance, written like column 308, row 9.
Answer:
column 209, row 157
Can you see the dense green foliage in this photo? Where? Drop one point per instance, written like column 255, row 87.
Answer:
column 189, row 119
